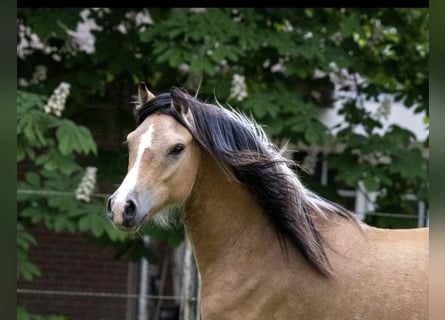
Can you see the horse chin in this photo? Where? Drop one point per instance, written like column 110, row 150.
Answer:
column 167, row 217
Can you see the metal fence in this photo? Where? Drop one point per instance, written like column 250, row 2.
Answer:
column 148, row 306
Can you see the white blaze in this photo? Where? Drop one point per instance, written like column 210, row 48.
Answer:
column 131, row 179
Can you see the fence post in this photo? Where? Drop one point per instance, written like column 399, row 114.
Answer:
column 421, row 215
column 143, row 286
column 190, row 285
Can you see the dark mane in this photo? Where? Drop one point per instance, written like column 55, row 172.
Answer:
column 238, row 144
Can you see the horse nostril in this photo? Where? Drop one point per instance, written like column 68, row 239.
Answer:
column 109, row 211
column 129, row 211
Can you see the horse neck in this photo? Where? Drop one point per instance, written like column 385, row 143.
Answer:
column 223, row 221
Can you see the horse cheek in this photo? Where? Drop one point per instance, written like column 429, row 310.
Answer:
column 187, row 176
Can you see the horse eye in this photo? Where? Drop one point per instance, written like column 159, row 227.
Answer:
column 177, row 149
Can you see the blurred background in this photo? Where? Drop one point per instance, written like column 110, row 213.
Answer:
column 348, row 89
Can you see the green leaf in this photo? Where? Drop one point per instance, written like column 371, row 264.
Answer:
column 24, row 239
column 25, row 268
column 62, row 222
column 150, row 35
column 20, row 153
column 371, row 183
column 46, row 24
column 349, row 25
column 33, row 179
column 55, row 180
column 173, row 236
column 298, row 125
column 174, row 59
column 74, row 138
column 113, row 233
column 310, row 134
column 53, row 160
column 22, row 314
column 260, row 111
column 36, row 214
column 93, row 222
column 409, row 164
column 63, row 203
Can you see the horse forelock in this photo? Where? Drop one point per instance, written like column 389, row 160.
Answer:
column 158, row 103
column 242, row 149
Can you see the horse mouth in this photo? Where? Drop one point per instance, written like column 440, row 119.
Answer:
column 127, row 229
column 131, row 226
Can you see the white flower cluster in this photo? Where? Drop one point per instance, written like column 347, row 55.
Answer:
column 56, row 103
column 384, row 109
column 341, row 78
column 38, row 75
column 29, row 41
column 336, row 37
column 238, row 17
column 101, row 11
column 198, row 10
column 278, row 67
column 141, row 19
column 83, row 37
column 86, row 186
column 287, row 27
column 374, row 158
column 238, row 90
column 308, row 35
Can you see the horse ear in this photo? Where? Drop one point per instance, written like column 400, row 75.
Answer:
column 144, row 94
column 184, row 111
column 181, row 108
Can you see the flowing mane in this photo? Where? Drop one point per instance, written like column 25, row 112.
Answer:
column 241, row 149
column 265, row 246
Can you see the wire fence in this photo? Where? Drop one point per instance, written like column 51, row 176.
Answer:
column 189, row 301
column 103, row 294
column 48, row 193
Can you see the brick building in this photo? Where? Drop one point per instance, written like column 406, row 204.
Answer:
column 86, row 282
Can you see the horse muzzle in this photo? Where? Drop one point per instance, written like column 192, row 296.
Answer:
column 124, row 214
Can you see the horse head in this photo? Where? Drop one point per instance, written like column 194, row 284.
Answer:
column 162, row 167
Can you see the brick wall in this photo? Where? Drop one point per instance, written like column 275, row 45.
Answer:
column 68, row 264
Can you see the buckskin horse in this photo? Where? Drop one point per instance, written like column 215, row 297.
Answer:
column 266, row 247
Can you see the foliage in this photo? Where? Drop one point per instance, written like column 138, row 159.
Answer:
column 23, row 314
column 52, row 145
column 25, row 268
column 294, row 62
column 277, row 50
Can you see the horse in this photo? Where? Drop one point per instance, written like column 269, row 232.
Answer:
column 266, row 247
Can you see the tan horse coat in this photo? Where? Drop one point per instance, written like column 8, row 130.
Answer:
column 378, row 274
column 246, row 274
